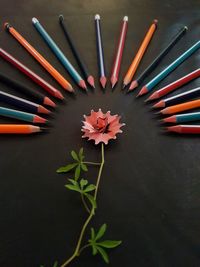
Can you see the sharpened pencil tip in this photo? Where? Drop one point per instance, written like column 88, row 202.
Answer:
column 82, row 84
column 125, row 18
column 44, row 129
column 143, row 91
column 124, row 86
column 90, row 80
column 155, row 21
column 103, row 81
column 133, row 85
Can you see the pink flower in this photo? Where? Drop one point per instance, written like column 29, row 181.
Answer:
column 101, row 127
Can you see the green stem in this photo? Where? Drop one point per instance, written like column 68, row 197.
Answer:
column 84, row 203
column 77, row 249
column 91, row 163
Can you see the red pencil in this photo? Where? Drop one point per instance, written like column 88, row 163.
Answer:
column 184, row 129
column 118, row 56
column 175, row 85
column 37, row 79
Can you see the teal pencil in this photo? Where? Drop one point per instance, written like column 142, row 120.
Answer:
column 59, row 54
column 150, row 85
column 20, row 115
column 195, row 116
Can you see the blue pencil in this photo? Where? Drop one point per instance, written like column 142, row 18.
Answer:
column 20, row 115
column 100, row 52
column 150, row 85
column 195, row 116
column 59, row 54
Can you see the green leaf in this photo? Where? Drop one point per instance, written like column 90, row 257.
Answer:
column 84, row 167
column 73, row 187
column 74, row 155
column 67, row 168
column 81, row 154
column 74, row 182
column 77, row 172
column 90, row 188
column 94, row 250
column 91, row 199
column 101, row 231
column 55, row 264
column 109, row 243
column 83, row 183
column 103, row 253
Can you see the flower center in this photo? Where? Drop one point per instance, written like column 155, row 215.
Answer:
column 102, row 124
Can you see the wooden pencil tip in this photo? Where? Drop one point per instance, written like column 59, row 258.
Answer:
column 44, row 129
column 113, row 81
column 34, row 20
column 82, row 84
column 124, row 86
column 133, row 85
column 90, row 80
column 155, row 21
column 103, row 81
column 97, row 17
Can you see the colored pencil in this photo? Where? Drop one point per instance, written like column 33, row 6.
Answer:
column 181, row 107
column 20, row 115
column 181, row 118
column 59, row 54
column 158, row 59
column 19, row 129
column 118, row 57
column 158, row 78
column 184, row 129
column 82, row 66
column 180, row 98
column 22, row 103
column 45, row 64
column 174, row 85
column 100, row 52
column 32, row 75
column 137, row 59
column 36, row 96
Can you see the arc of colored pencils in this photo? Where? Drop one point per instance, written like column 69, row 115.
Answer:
column 173, row 100
column 174, row 85
column 20, row 115
column 181, row 107
column 137, row 59
column 32, row 75
column 100, row 52
column 20, row 129
column 184, row 129
column 82, row 66
column 181, row 118
column 39, row 98
column 54, row 73
column 59, row 54
column 150, row 85
column 119, row 54
column 22, row 103
column 158, row 59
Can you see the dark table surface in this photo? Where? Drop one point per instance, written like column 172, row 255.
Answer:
column 150, row 190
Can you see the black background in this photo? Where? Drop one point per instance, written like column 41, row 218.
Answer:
column 150, row 190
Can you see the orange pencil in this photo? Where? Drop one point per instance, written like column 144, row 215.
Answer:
column 136, row 61
column 19, row 129
column 57, row 76
column 181, row 107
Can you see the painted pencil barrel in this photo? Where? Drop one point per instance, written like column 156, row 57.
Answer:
column 184, row 129
column 181, row 107
column 195, row 116
column 57, row 76
column 59, row 54
column 120, row 48
column 100, row 52
column 158, row 59
column 18, row 129
column 194, row 93
column 172, row 66
column 29, row 73
column 18, row 102
column 16, row 114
